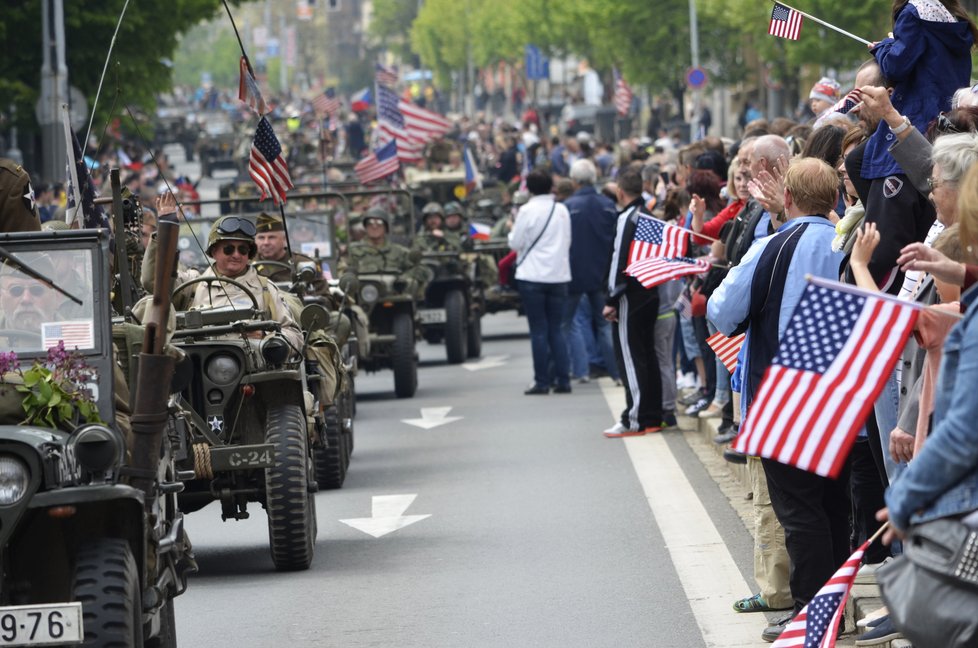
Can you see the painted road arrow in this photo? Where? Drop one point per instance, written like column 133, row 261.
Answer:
column 489, row 362
column 432, row 417
column 386, row 515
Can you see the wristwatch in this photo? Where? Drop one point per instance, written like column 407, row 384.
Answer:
column 902, row 127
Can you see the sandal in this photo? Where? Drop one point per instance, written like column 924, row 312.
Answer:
column 754, row 603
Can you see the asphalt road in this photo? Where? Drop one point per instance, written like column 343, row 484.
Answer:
column 541, row 532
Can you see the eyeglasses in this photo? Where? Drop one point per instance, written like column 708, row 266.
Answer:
column 242, row 248
column 945, row 125
column 933, row 183
column 17, row 290
column 233, row 224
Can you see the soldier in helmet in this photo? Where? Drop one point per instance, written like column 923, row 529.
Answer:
column 432, row 237
column 455, row 223
column 375, row 254
column 18, row 208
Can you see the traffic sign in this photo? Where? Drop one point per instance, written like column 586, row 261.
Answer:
column 696, row 78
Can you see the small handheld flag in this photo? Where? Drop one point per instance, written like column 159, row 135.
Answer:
column 727, row 349
column 785, row 22
column 656, row 238
column 653, row 271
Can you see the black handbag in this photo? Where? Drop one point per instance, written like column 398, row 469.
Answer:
column 931, row 591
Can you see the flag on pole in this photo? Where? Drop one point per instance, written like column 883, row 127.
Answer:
column 73, row 192
column 326, row 103
column 684, row 305
column 817, row 625
column 623, row 94
column 726, row 348
column 421, row 124
column 847, row 103
column 655, row 238
column 785, row 22
column 248, row 91
column 390, row 121
column 473, row 179
column 266, row 165
column 378, row 164
column 836, row 355
column 653, row 271
column 361, row 100
column 480, row 232
column 385, row 76
column 81, row 188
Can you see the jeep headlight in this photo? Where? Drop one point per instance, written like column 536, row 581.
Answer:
column 14, row 479
column 369, row 293
column 97, row 448
column 222, row 369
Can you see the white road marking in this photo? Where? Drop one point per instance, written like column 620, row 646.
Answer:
column 706, row 569
column 432, row 417
column 489, row 362
column 386, row 515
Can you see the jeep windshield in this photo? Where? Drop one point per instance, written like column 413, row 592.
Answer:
column 34, row 316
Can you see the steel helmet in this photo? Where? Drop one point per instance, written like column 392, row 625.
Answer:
column 232, row 228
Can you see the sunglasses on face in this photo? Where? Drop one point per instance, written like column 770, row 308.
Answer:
column 374, row 222
column 235, row 224
column 242, row 248
column 17, row 290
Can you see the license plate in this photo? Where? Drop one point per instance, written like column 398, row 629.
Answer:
column 432, row 315
column 243, row 457
column 41, row 625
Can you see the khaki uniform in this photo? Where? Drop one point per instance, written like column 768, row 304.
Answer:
column 18, row 211
column 363, row 258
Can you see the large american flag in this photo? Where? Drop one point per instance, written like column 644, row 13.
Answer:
column 385, row 76
column 837, row 352
column 817, row 625
column 727, row 348
column 248, row 91
column 623, row 94
column 785, row 22
column 653, row 271
column 266, row 165
column 390, row 121
column 421, row 124
column 326, row 103
column 378, row 164
column 655, row 238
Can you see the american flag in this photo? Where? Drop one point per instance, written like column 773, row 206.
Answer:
column 326, row 103
column 655, row 238
column 727, row 348
column 248, row 91
column 653, row 271
column 421, row 124
column 684, row 305
column 837, row 352
column 847, row 103
column 385, row 76
column 390, row 121
column 378, row 164
column 266, row 165
column 785, row 22
column 623, row 94
column 84, row 192
column 76, row 334
column 817, row 625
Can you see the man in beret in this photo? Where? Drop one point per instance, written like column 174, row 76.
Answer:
column 270, row 239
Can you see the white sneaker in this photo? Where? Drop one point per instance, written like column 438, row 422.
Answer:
column 713, row 411
column 686, row 381
column 867, row 573
column 618, row 431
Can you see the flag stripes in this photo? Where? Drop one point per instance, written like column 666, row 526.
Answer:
column 266, row 166
column 378, row 164
column 656, row 270
column 785, row 22
column 726, row 348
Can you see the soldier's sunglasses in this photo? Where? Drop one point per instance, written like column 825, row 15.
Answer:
column 17, row 290
column 235, row 224
column 242, row 248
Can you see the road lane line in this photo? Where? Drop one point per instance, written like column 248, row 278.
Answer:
column 706, row 569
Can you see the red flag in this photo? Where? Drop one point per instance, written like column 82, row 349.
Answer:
column 248, row 90
column 266, row 165
column 785, row 22
column 837, row 353
column 655, row 238
column 727, row 349
column 817, row 625
column 655, row 270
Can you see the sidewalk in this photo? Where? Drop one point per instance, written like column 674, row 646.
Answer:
column 733, row 482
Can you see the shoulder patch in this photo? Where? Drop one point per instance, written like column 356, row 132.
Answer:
column 892, row 186
column 30, row 203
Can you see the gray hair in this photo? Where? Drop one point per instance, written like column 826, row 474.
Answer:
column 650, row 171
column 583, row 172
column 964, row 97
column 956, row 154
column 771, row 147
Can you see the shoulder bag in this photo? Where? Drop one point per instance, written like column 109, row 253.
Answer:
column 533, row 244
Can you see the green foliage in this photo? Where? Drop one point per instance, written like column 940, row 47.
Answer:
column 53, row 389
column 210, row 47
column 389, row 24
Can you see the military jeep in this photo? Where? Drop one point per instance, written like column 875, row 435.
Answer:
column 92, row 545
column 453, row 306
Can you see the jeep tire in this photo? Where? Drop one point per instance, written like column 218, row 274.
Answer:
column 291, row 513
column 332, row 457
column 475, row 336
column 456, row 327
column 403, row 357
column 107, row 586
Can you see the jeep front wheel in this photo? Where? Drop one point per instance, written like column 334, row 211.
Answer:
column 291, row 515
column 403, row 358
column 107, row 586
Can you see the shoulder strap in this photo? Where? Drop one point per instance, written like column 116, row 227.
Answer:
column 529, row 249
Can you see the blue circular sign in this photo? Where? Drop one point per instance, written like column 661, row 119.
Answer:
column 696, row 78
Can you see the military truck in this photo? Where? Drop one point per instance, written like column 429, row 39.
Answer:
column 92, row 543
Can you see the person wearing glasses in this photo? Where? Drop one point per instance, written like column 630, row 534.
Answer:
column 25, row 302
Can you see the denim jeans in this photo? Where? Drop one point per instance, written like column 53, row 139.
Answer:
column 886, row 408
column 583, row 321
column 544, row 305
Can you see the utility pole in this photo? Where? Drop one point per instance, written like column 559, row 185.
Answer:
column 694, row 44
column 54, row 91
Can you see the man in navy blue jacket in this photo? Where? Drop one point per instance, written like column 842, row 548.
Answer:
column 593, row 218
